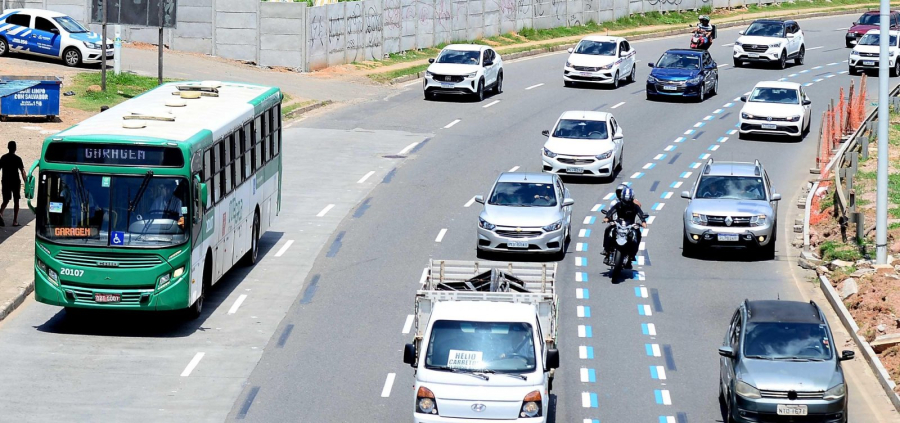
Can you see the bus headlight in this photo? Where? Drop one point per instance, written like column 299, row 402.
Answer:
column 178, row 272
column 531, row 405
column 53, row 276
column 163, row 281
column 41, row 265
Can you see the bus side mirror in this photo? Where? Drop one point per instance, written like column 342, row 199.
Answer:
column 29, row 187
column 204, row 195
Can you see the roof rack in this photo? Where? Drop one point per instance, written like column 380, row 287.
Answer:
column 757, row 168
column 492, row 280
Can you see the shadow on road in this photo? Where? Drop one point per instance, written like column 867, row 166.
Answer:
column 25, row 217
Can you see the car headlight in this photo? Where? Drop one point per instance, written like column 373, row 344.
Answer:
column 698, row 219
column 775, row 45
column 854, row 52
column 604, row 156
column 694, row 80
column 746, row 390
column 425, row 403
column 553, row 226
column 747, row 116
column 484, row 224
column 568, row 64
column 163, row 281
column 472, row 75
column 837, row 392
column 609, row 66
column 549, row 153
column 531, row 405
column 429, row 74
column 92, row 45
column 738, row 43
column 758, row 220
column 795, row 118
column 652, row 80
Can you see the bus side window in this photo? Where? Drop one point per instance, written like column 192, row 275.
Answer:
column 246, row 145
column 228, row 146
column 257, row 136
column 238, row 152
column 264, row 141
column 209, row 174
column 273, row 133
column 277, row 134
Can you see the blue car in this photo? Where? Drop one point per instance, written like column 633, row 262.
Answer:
column 683, row 73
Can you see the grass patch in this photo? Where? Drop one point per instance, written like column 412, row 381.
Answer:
column 833, row 250
column 119, row 88
column 826, row 203
column 387, row 76
column 870, row 175
column 289, row 104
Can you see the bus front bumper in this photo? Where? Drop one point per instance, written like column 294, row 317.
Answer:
column 172, row 297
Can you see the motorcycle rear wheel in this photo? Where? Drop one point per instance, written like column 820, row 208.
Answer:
column 618, row 262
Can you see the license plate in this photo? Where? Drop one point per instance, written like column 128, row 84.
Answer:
column 670, row 88
column 107, row 298
column 727, row 237
column 791, row 410
column 585, row 73
column 869, row 63
column 446, row 85
column 754, row 55
column 769, row 126
column 517, row 244
column 574, row 170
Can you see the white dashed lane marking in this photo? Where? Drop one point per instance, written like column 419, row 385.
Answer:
column 237, row 304
column 617, row 105
column 534, row 86
column 284, row 248
column 193, row 364
column 407, row 148
column 450, row 125
column 388, row 383
column 325, row 210
column 363, row 179
column 441, row 234
column 491, row 104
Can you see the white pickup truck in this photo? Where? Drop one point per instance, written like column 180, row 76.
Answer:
column 485, row 342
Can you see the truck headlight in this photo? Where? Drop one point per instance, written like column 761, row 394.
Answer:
column 549, row 153
column 531, row 405
column 553, row 226
column 746, row 390
column 41, row 265
column 484, row 224
column 178, row 272
column 604, row 156
column 425, row 402
column 758, row 220
column 698, row 219
column 837, row 392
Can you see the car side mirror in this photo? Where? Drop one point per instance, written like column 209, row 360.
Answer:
column 686, row 194
column 726, row 352
column 545, row 132
column 741, row 32
column 431, row 60
column 479, row 199
column 409, row 354
column 568, row 202
column 855, row 23
column 651, row 64
column 847, row 355
column 807, row 102
column 791, row 35
column 618, row 136
column 552, row 359
column 570, row 50
column 776, row 197
column 744, row 98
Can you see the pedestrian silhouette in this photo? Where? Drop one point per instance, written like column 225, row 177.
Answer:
column 11, row 167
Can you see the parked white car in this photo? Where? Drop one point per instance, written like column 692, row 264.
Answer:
column 776, row 108
column 770, row 41
column 50, row 34
column 464, row 69
column 865, row 55
column 600, row 60
column 584, row 143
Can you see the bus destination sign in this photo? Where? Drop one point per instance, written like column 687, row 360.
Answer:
column 111, row 154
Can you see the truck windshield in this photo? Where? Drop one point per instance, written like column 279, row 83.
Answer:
column 497, row 346
column 112, row 210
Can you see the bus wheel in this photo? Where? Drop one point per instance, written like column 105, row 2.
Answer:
column 253, row 255
column 196, row 309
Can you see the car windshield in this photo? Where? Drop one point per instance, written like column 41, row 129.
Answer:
column 869, row 19
column 765, row 29
column 775, row 340
column 70, row 25
column 871, row 39
column 86, row 209
column 523, row 194
column 459, row 57
column 597, row 48
column 496, row 346
column 732, row 188
column 775, row 95
column 581, row 129
column 679, row 61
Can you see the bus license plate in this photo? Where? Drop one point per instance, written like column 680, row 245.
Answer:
column 869, row 63
column 517, row 244
column 107, row 298
column 791, row 410
column 769, row 126
column 574, row 170
column 728, row 237
column 670, row 87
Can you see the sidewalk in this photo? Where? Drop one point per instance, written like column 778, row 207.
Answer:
column 16, row 259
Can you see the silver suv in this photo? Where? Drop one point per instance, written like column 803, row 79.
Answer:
column 778, row 362
column 732, row 204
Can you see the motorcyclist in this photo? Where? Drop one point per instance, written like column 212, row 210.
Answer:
column 705, row 30
column 630, row 211
column 619, row 194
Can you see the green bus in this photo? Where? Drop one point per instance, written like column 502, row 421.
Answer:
column 146, row 205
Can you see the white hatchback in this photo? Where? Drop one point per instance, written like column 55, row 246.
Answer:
column 464, row 69
column 50, row 34
column 865, row 55
column 600, row 60
column 584, row 143
column 776, row 108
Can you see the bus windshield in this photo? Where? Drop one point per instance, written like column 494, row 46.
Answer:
column 113, row 210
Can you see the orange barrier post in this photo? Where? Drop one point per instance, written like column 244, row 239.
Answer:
column 851, row 122
column 842, row 127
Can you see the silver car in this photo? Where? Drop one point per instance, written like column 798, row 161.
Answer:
column 525, row 212
column 732, row 204
column 778, row 362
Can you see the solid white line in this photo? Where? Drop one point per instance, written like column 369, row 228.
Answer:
column 237, row 303
column 723, row 65
column 534, row 86
column 727, row 45
column 441, row 235
column 450, row 125
column 408, row 147
column 388, row 383
column 408, row 325
column 814, row 48
column 470, row 202
column 284, row 248
column 491, row 104
column 515, row 168
column 617, row 105
column 325, row 210
column 194, row 362
column 411, row 83
column 363, row 179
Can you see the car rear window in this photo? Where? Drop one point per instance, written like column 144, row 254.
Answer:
column 19, row 19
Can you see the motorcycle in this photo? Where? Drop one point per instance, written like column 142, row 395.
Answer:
column 622, row 247
column 700, row 41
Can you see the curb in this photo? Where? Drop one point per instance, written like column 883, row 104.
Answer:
column 297, row 112
column 660, row 34
column 8, row 307
column 874, row 363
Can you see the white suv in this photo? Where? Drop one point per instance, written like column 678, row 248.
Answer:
column 584, row 143
column 865, row 55
column 600, row 60
column 464, row 69
column 770, row 41
column 776, row 108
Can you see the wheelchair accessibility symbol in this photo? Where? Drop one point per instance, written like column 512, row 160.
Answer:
column 117, row 238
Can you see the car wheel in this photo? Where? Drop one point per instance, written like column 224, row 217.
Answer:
column 252, row 256
column 768, row 251
column 782, row 61
column 799, row 59
column 738, row 63
column 848, row 44
column 715, row 89
column 479, row 95
column 728, row 416
column 631, row 76
column 568, row 83
column 4, row 47
column 650, row 97
column 853, row 71
column 688, row 249
column 895, row 71
column 618, row 167
column 498, row 86
column 616, row 80
column 72, row 57
column 702, row 95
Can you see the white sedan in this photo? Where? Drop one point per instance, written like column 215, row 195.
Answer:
column 584, row 143
column 469, row 69
column 50, row 34
column 600, row 60
column 776, row 108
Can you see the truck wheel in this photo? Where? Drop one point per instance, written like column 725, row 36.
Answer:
column 4, row 47
column 72, row 57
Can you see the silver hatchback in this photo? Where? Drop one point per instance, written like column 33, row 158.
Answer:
column 525, row 212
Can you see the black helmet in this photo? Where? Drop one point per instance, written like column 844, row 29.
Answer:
column 704, row 19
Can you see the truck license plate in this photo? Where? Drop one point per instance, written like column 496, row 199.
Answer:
column 769, row 126
column 107, row 298
column 869, row 63
column 791, row 410
column 517, row 244
column 728, row 237
column 670, row 87
column 574, row 170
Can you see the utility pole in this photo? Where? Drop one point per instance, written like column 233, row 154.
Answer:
column 117, row 50
column 103, row 48
column 883, row 117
